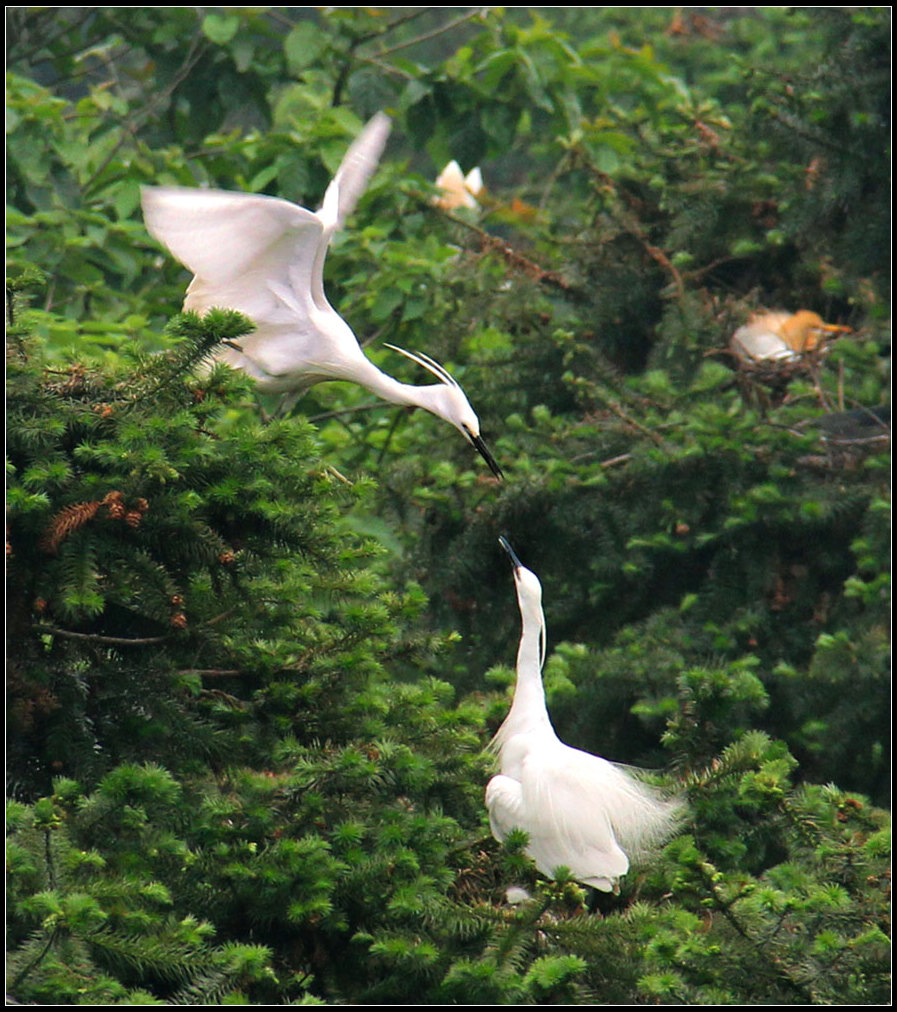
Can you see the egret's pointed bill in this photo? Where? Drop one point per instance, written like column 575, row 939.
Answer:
column 515, row 562
column 445, row 377
column 483, row 451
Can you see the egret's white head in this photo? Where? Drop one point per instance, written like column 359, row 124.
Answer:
column 450, row 402
column 529, row 595
column 528, row 585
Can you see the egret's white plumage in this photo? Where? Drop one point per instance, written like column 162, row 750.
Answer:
column 782, row 337
column 264, row 257
column 579, row 810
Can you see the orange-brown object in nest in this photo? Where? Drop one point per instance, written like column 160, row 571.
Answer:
column 782, row 337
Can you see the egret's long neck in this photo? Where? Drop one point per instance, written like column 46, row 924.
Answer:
column 528, row 709
column 430, row 397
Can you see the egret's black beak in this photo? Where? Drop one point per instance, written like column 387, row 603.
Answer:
column 483, row 451
column 515, row 562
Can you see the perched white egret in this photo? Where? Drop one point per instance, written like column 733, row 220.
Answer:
column 457, row 189
column 781, row 336
column 264, row 257
column 579, row 810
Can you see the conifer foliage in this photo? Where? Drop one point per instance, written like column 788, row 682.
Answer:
column 132, row 534
column 255, row 661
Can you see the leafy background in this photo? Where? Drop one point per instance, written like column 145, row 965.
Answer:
column 254, row 664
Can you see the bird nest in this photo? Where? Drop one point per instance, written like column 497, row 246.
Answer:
column 775, row 372
column 775, row 375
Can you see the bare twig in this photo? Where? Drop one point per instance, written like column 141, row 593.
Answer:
column 387, row 441
column 629, row 223
column 386, row 68
column 426, row 36
column 219, row 618
column 97, row 638
column 346, row 411
column 212, row 672
column 610, row 462
column 515, row 259
column 123, row 641
column 618, row 410
column 330, row 469
column 346, row 68
column 659, row 257
column 28, row 967
column 553, row 177
column 699, row 272
column 619, row 459
column 129, row 127
column 817, row 386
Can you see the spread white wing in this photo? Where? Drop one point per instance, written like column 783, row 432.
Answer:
column 359, row 164
column 256, row 254
column 265, row 258
column 222, row 236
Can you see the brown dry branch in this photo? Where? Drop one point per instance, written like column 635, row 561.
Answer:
column 72, row 518
column 66, row 522
column 53, row 630
column 627, row 220
column 123, row 640
column 517, row 260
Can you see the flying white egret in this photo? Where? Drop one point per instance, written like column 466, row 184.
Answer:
column 782, row 337
column 579, row 810
column 264, row 257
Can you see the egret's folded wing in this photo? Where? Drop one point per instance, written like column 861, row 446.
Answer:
column 222, row 236
column 756, row 342
column 570, row 803
column 503, row 802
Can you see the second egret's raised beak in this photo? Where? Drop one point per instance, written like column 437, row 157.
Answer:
column 483, row 451
column 515, row 562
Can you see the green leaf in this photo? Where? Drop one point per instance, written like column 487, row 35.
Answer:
column 303, row 45
column 220, row 28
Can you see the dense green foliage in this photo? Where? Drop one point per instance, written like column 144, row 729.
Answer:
column 254, row 664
